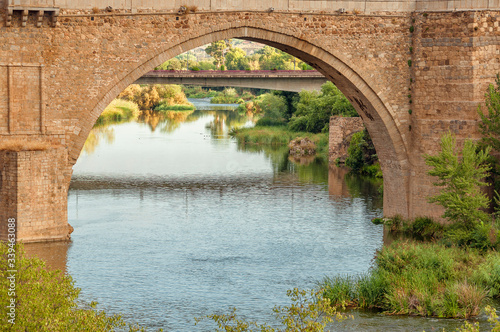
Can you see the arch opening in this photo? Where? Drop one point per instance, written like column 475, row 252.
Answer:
column 379, row 119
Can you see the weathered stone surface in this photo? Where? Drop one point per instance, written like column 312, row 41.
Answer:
column 34, row 191
column 341, row 131
column 55, row 81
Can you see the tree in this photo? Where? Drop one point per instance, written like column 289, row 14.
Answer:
column 235, row 59
column 274, row 108
column 173, row 64
column 460, row 179
column 216, row 50
column 206, row 65
column 314, row 109
column 490, row 123
column 361, row 152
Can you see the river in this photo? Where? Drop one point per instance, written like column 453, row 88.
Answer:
column 173, row 220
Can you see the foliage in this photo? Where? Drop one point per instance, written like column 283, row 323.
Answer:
column 195, row 91
column 227, row 96
column 206, row 65
column 166, row 107
column 426, row 279
column 309, row 312
column 46, row 300
column 291, row 99
column 490, row 122
column 314, row 109
column 278, row 136
column 118, row 110
column 272, row 59
column 172, row 64
column 216, row 50
column 274, row 108
column 147, row 97
column 483, row 236
column 236, row 59
column 361, row 155
column 461, row 179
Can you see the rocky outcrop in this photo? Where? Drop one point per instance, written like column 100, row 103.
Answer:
column 302, row 147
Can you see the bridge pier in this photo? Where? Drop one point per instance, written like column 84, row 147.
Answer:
column 34, row 191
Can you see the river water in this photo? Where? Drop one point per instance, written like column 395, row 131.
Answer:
column 173, row 220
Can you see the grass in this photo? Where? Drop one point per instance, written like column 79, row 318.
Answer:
column 425, row 279
column 481, row 235
column 17, row 145
column 275, row 136
column 118, row 111
column 165, row 107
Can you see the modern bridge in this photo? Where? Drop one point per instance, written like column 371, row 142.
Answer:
column 284, row 80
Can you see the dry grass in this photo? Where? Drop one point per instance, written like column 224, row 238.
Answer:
column 192, row 9
column 356, row 11
column 95, row 10
column 22, row 145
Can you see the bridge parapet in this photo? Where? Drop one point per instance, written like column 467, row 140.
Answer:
column 342, row 6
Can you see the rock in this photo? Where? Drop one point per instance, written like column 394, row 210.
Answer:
column 302, row 147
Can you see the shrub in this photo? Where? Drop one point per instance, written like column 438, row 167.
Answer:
column 118, row 110
column 46, row 299
column 309, row 311
column 425, row 279
column 460, row 179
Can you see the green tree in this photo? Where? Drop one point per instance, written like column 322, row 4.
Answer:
column 314, row 109
column 216, row 50
column 206, row 65
column 291, row 98
column 274, row 108
column 361, row 152
column 460, row 179
column 174, row 64
column 235, row 59
column 272, row 58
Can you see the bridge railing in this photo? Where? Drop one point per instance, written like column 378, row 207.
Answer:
column 342, row 6
column 286, row 73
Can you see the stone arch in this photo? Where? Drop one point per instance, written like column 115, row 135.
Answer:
column 368, row 99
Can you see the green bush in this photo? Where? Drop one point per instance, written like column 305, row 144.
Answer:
column 268, row 122
column 314, row 109
column 46, row 300
column 460, row 176
column 426, row 279
column 361, row 155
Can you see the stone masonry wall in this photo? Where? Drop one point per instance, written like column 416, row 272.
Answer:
column 410, row 76
column 341, row 129
column 454, row 58
column 8, row 190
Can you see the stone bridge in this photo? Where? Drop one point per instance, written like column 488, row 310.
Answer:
column 284, row 80
column 413, row 69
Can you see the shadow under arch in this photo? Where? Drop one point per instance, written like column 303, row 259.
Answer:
column 371, row 104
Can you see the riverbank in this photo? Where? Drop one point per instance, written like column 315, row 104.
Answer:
column 424, row 279
column 275, row 136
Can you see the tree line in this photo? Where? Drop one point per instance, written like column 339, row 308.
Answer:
column 225, row 56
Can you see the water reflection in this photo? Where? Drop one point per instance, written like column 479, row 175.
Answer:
column 55, row 254
column 207, row 223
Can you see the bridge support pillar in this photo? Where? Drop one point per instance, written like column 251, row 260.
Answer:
column 34, row 191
